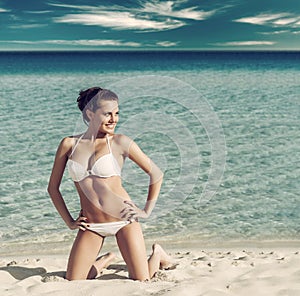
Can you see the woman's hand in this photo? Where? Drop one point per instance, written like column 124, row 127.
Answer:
column 79, row 223
column 131, row 212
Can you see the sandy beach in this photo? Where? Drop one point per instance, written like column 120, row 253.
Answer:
column 272, row 270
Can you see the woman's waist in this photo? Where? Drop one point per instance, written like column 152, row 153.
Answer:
column 103, row 204
column 103, row 208
column 98, row 217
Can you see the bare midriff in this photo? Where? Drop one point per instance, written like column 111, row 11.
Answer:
column 102, row 199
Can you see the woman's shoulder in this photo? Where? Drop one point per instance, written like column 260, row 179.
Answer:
column 68, row 142
column 122, row 141
column 121, row 138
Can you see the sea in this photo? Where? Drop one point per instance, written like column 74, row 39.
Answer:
column 224, row 127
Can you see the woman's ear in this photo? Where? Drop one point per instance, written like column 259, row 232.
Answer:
column 89, row 114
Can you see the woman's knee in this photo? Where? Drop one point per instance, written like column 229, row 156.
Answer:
column 132, row 246
column 83, row 255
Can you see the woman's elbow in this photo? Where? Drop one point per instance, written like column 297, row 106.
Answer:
column 52, row 190
column 161, row 176
column 157, row 177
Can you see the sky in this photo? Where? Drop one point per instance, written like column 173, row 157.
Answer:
column 150, row 25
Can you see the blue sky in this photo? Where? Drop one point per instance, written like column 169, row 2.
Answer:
column 150, row 25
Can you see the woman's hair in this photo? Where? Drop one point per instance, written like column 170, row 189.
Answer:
column 91, row 97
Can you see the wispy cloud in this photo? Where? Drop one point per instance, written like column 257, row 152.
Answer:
column 92, row 42
column 168, row 8
column 149, row 16
column 119, row 21
column 95, row 42
column 82, row 42
column 166, row 43
column 38, row 11
column 245, row 43
column 274, row 20
column 260, row 19
column 286, row 21
column 78, row 7
column 275, row 32
column 27, row 26
column 17, row 42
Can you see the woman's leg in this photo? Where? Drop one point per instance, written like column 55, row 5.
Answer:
column 83, row 255
column 132, row 247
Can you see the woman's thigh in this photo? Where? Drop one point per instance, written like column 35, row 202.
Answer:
column 83, row 254
column 132, row 247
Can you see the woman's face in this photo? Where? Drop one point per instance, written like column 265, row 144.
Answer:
column 105, row 118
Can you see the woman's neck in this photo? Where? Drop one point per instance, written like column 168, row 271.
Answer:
column 92, row 134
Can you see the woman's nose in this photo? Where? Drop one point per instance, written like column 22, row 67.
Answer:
column 112, row 118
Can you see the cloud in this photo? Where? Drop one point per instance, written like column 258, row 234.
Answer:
column 3, row 10
column 119, row 21
column 38, row 12
column 82, row 42
column 27, row 26
column 91, row 42
column 17, row 42
column 274, row 20
column 149, row 16
column 285, row 21
column 166, row 43
column 260, row 19
column 95, row 42
column 246, row 43
column 167, row 9
column 79, row 7
column 275, row 32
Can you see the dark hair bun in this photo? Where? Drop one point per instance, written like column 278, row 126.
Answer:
column 85, row 96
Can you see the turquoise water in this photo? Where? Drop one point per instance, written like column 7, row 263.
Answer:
column 224, row 127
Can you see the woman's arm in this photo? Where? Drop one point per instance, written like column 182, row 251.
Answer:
column 156, row 177
column 59, row 165
column 145, row 163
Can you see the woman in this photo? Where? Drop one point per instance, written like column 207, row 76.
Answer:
column 94, row 160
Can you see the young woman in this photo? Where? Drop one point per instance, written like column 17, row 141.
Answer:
column 94, row 160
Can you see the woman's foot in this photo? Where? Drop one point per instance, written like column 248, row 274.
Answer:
column 103, row 262
column 166, row 262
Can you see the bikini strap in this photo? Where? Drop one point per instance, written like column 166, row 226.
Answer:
column 108, row 144
column 76, row 144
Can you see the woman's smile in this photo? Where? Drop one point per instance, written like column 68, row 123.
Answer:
column 111, row 125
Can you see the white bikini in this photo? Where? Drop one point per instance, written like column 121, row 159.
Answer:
column 104, row 167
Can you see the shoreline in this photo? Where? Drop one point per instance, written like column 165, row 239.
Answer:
column 63, row 248
column 272, row 269
column 254, row 246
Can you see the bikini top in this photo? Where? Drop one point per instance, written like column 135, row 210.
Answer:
column 105, row 166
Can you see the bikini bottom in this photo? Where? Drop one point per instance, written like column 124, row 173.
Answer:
column 107, row 229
